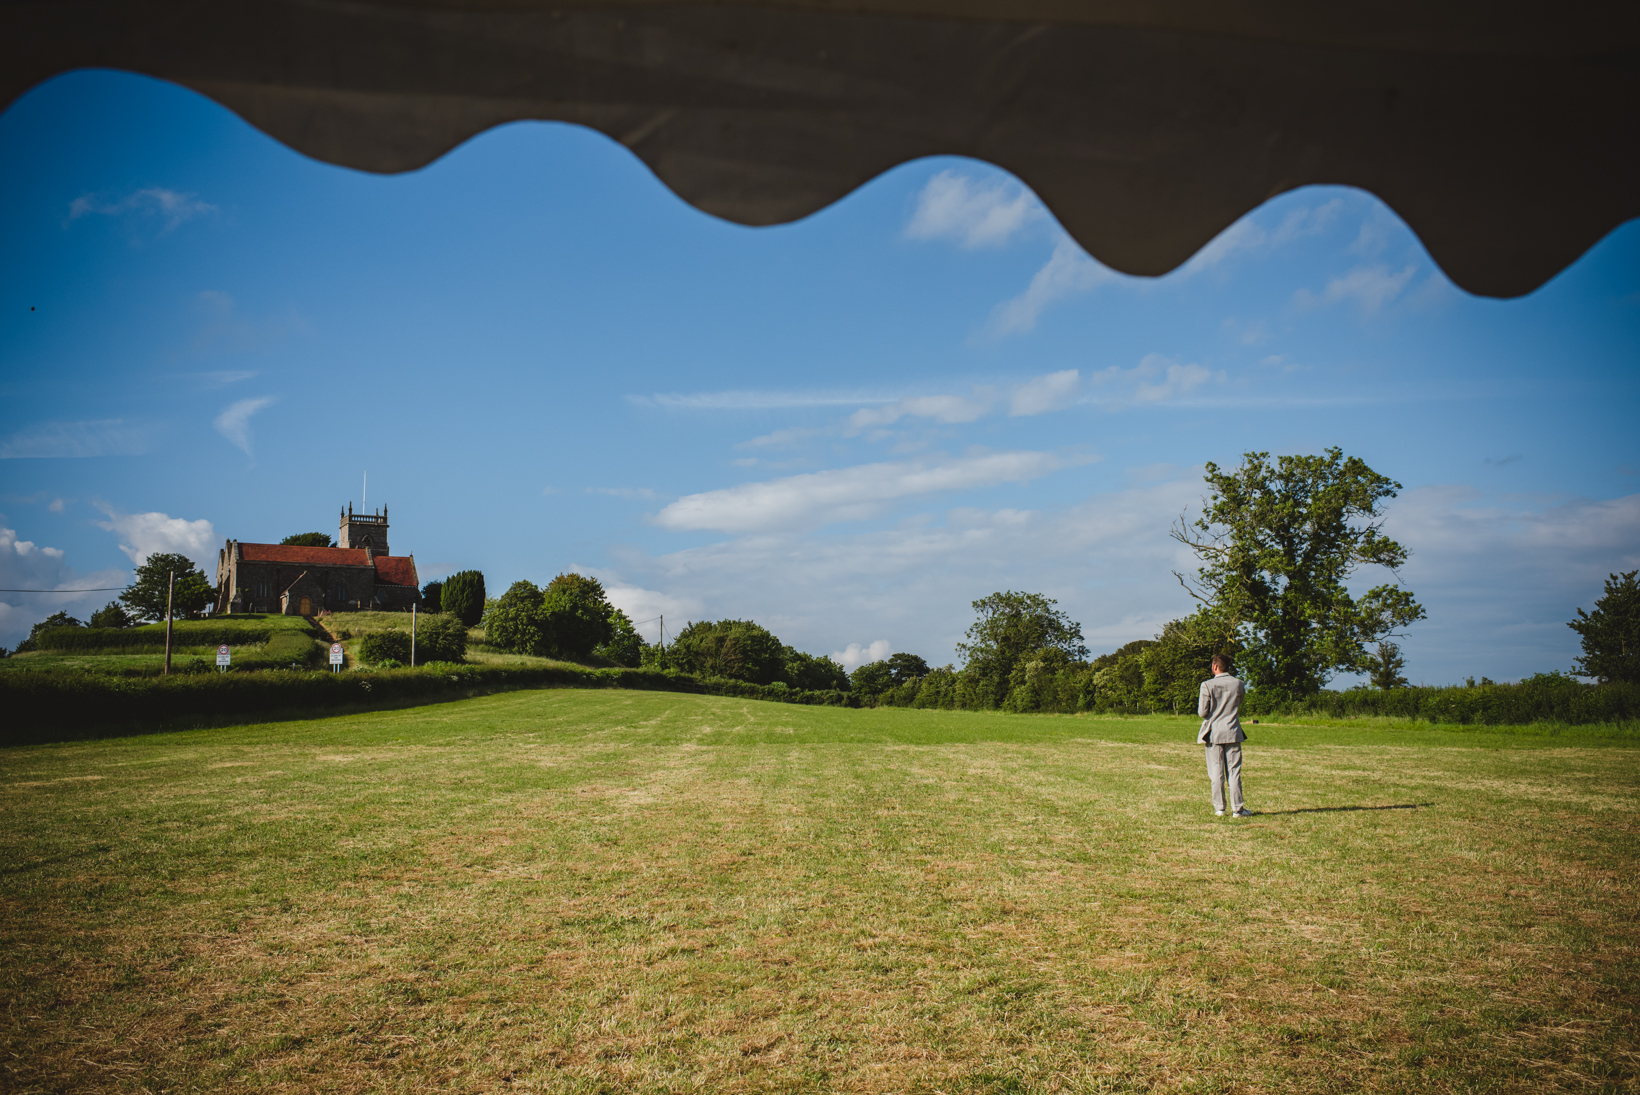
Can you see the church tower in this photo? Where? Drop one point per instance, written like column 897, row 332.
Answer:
column 364, row 530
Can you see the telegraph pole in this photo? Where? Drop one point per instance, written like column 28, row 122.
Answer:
column 170, row 594
column 412, row 634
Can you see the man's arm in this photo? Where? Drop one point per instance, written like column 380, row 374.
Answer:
column 1203, row 703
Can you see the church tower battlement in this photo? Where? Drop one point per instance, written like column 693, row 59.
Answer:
column 359, row 530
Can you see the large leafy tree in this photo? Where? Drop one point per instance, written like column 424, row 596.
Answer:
column 1009, row 627
column 738, row 649
column 111, row 615
column 1611, row 633
column 515, row 622
column 575, row 614
column 308, row 539
column 463, row 596
column 1278, row 543
column 145, row 597
column 50, row 623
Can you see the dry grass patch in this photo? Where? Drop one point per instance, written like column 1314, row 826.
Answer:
column 649, row 892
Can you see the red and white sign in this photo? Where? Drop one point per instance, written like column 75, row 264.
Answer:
column 223, row 657
column 335, row 653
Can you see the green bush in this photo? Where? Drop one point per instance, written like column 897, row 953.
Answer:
column 734, row 649
column 440, row 638
column 462, row 596
column 625, row 645
column 575, row 617
column 235, row 631
column 380, row 646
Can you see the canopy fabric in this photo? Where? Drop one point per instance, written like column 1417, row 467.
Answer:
column 1503, row 133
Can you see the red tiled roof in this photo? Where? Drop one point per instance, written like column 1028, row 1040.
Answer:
column 393, row 570
column 303, row 556
column 396, row 570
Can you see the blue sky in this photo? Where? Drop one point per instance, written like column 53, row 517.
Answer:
column 846, row 428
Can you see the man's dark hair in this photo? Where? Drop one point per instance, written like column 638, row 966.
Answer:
column 1221, row 663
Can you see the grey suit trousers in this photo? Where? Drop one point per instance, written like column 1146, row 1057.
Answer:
column 1224, row 767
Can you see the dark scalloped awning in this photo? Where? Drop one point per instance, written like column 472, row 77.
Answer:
column 1505, row 133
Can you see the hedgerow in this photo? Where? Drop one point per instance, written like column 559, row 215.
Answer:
column 44, row 707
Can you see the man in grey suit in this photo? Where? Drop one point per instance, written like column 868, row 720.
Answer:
column 1220, row 709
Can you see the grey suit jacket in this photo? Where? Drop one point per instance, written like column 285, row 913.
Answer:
column 1220, row 709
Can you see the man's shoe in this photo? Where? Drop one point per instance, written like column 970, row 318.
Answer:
column 1243, row 812
column 1218, row 813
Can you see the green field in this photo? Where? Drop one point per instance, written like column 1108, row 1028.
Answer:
column 605, row 891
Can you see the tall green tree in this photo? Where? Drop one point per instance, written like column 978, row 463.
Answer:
column 1611, row 633
column 515, row 621
column 463, row 596
column 907, row 667
column 432, row 597
column 111, row 614
column 145, row 597
column 625, row 646
column 1009, row 627
column 738, row 649
column 1385, row 668
column 1278, row 543
column 575, row 615
column 308, row 539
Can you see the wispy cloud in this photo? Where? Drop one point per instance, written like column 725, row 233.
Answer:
column 221, row 378
column 642, row 493
column 224, row 329
column 73, row 440
column 746, row 400
column 941, row 408
column 1045, row 393
column 972, row 212
column 850, row 494
column 1067, row 272
column 172, row 206
column 1370, row 287
column 234, row 423
column 1247, row 235
column 144, row 534
column 1156, row 379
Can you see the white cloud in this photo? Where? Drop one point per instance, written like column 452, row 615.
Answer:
column 1045, row 393
column 173, row 206
column 234, row 423
column 819, row 593
column 75, row 440
column 1247, row 235
column 850, row 494
column 57, row 505
column 974, row 213
column 648, row 608
column 854, row 655
column 25, row 565
column 1068, row 271
column 1156, row 379
column 1371, row 287
column 144, row 534
column 741, row 400
column 1501, row 575
column 941, row 408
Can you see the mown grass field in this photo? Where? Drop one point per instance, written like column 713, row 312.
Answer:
column 575, row 891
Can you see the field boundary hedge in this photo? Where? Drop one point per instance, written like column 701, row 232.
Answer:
column 55, row 707
column 91, row 640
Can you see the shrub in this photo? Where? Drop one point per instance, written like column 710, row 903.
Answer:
column 381, row 646
column 308, row 539
column 872, row 679
column 440, row 639
column 57, row 621
column 462, row 596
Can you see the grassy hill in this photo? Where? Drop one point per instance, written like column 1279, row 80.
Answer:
column 574, row 891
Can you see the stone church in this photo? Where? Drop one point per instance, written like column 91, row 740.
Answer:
column 360, row 573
